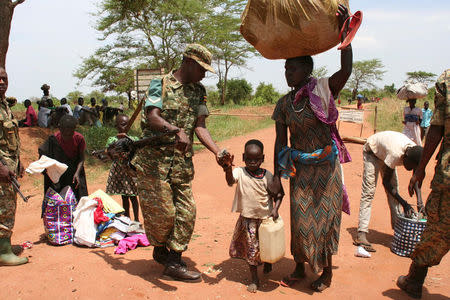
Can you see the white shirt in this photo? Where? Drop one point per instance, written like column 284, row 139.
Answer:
column 68, row 108
column 251, row 198
column 389, row 146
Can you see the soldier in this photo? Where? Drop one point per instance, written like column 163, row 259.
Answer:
column 435, row 240
column 9, row 153
column 176, row 101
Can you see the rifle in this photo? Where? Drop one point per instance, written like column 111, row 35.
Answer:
column 125, row 148
column 15, row 183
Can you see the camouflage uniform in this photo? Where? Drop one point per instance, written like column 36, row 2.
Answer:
column 9, row 151
column 164, row 174
column 435, row 241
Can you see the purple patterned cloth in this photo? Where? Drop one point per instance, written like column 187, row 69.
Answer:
column 333, row 114
column 58, row 216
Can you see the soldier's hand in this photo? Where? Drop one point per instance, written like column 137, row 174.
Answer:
column 182, row 141
column 5, row 174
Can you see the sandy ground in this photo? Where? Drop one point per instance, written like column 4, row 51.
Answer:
column 71, row 272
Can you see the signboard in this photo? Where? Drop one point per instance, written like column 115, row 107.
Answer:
column 142, row 78
column 351, row 115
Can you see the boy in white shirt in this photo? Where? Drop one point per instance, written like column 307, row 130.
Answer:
column 383, row 152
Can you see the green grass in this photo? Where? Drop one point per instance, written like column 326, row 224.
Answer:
column 390, row 113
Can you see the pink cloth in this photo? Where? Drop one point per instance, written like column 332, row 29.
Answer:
column 31, row 118
column 131, row 242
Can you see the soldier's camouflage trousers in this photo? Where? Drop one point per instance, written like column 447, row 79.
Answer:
column 435, row 241
column 7, row 209
column 169, row 211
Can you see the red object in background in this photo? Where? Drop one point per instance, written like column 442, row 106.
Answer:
column 27, row 245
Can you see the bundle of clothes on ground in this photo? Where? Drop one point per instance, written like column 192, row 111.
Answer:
column 95, row 221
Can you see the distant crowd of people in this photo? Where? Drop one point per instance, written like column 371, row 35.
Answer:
column 49, row 114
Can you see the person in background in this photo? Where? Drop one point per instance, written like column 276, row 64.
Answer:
column 412, row 117
column 359, row 104
column 427, row 114
column 435, row 240
column 67, row 106
column 30, row 115
column 43, row 114
column 77, row 108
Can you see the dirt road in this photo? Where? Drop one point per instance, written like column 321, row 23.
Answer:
column 70, row 272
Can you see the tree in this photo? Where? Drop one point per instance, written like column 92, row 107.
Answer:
column 239, row 90
column 227, row 44
column 319, row 72
column 106, row 76
column 72, row 97
column 153, row 33
column 390, row 89
column 6, row 13
column 364, row 74
column 265, row 93
column 422, row 76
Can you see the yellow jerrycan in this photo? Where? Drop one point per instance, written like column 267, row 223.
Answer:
column 271, row 240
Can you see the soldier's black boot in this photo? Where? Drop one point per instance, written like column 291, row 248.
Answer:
column 7, row 257
column 160, row 254
column 176, row 271
column 413, row 282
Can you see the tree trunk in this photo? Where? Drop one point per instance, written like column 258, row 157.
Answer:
column 129, row 99
column 6, row 14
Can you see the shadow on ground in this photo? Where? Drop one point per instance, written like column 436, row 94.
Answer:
column 237, row 270
column 149, row 270
column 374, row 236
column 400, row 295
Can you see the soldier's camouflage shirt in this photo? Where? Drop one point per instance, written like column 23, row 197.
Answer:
column 9, row 136
column 181, row 105
column 441, row 117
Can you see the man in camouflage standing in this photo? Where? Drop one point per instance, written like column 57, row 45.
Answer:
column 9, row 153
column 175, row 102
column 435, row 240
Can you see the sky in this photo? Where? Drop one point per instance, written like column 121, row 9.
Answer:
column 50, row 38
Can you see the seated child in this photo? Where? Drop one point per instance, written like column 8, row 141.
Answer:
column 67, row 146
column 122, row 179
column 254, row 204
column 30, row 115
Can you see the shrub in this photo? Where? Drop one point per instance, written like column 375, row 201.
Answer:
column 265, row 93
column 96, row 137
column 238, row 90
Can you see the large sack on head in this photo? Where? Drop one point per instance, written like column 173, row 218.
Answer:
column 412, row 90
column 281, row 29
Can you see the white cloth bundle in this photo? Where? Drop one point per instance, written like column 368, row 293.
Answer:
column 412, row 90
column 54, row 168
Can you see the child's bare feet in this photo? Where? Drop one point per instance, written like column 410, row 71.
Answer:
column 267, row 268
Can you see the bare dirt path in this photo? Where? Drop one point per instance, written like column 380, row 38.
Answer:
column 70, row 272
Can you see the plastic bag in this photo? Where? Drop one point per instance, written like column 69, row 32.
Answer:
column 412, row 90
column 289, row 28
